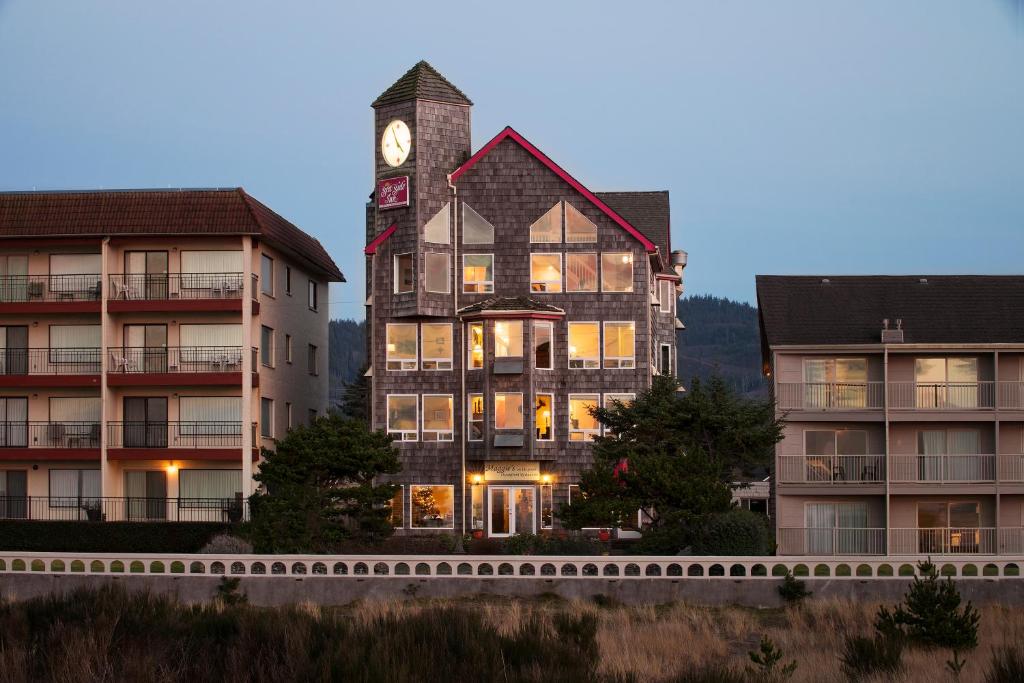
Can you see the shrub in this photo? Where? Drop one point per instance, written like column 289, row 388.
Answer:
column 107, row 537
column 737, row 532
column 549, row 544
column 228, row 593
column 1007, row 665
column 793, row 590
column 864, row 657
column 226, row 544
column 931, row 616
column 768, row 664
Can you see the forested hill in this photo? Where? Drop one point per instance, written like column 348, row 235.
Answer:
column 347, row 354
column 721, row 337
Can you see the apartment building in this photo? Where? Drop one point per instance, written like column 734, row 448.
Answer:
column 903, row 399
column 505, row 301
column 151, row 341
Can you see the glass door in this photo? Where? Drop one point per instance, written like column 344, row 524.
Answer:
column 13, row 494
column 14, row 278
column 513, row 510
column 145, row 422
column 146, row 492
column 14, row 422
column 146, row 274
column 14, row 350
column 145, row 348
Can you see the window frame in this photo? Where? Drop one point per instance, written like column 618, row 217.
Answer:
column 560, row 205
column 470, row 362
column 488, row 285
column 622, row 362
column 436, row 435
column 632, row 271
column 267, row 426
column 288, row 414
column 566, row 205
column 584, row 433
column 412, row 517
column 312, row 296
column 549, row 490
column 550, row 325
column 614, row 395
column 666, row 296
column 469, row 417
column 267, row 359
column 402, row 434
column 522, row 335
column 287, row 348
column 396, row 270
column 288, row 280
column 551, row 418
column 405, row 364
column 597, row 271
column 568, row 346
column 312, row 360
column 522, row 417
column 264, row 288
column 547, row 284
column 428, row 255
column 661, row 349
column 439, row 363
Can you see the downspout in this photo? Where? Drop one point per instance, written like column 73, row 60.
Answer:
column 885, row 399
column 462, row 346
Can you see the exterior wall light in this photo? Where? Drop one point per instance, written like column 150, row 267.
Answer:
column 545, row 478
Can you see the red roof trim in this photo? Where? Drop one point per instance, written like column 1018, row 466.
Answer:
column 560, row 172
column 371, row 248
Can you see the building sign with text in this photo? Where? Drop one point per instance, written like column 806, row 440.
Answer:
column 512, row 471
column 393, row 192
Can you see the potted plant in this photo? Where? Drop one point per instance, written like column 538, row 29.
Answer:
column 478, row 533
column 93, row 512
column 604, row 535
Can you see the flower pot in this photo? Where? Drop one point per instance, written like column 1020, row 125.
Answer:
column 604, row 535
column 478, row 533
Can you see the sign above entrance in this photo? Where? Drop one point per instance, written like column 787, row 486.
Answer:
column 512, row 471
column 393, row 192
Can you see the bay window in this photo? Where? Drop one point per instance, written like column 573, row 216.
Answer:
column 405, row 273
column 475, row 346
column 578, row 228
column 437, row 276
column 436, row 340
column 508, row 411
column 432, row 507
column 617, row 272
column 584, row 345
column 402, row 416
column 401, row 346
column 543, row 420
column 546, row 272
column 438, row 424
column 508, row 339
column 475, row 417
column 619, row 346
column 581, row 272
column 543, row 333
column 477, row 273
column 583, row 426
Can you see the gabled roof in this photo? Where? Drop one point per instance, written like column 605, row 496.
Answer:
column 646, row 211
column 508, row 304
column 422, row 82
column 934, row 309
column 509, row 133
column 213, row 211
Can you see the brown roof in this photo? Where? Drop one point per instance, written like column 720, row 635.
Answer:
column 510, row 303
column 98, row 213
column 423, row 82
column 648, row 212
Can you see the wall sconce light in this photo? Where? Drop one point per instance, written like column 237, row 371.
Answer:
column 545, row 478
column 172, row 468
column 477, row 478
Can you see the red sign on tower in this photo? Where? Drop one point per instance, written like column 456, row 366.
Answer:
column 393, row 192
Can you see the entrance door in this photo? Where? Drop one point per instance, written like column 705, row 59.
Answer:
column 146, row 274
column 513, row 510
column 147, row 494
column 145, row 422
column 145, row 348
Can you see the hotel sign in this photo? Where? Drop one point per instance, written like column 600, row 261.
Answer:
column 393, row 192
column 512, row 471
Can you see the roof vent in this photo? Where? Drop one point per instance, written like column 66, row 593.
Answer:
column 892, row 336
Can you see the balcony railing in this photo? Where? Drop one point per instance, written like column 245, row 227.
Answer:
column 29, row 288
column 940, row 469
column 66, row 361
column 1011, row 467
column 211, row 434
column 830, row 395
column 124, row 509
column 830, row 541
column 170, row 359
column 1010, row 395
column 49, row 434
column 831, row 469
column 944, row 541
column 161, row 286
column 942, row 395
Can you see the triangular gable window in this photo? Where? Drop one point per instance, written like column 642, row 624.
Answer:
column 548, row 228
column 578, row 228
column 475, row 230
column 438, row 229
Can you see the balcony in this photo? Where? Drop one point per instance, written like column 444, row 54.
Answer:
column 168, row 365
column 210, row 440
column 906, row 541
column 151, row 292
column 1010, row 395
column 49, row 440
column 943, row 541
column 831, row 469
column 835, row 396
column 1011, row 468
column 78, row 367
column 830, row 541
column 942, row 395
column 942, row 469
column 51, row 293
column 124, row 509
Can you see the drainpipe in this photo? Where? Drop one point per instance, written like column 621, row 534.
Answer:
column 462, row 349
column 885, row 399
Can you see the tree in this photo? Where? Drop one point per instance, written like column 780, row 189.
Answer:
column 672, row 455
column 355, row 402
column 320, row 487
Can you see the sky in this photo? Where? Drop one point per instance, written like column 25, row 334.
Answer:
column 822, row 137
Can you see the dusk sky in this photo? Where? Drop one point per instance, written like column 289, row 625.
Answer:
column 794, row 137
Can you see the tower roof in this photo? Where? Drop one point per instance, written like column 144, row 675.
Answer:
column 423, row 82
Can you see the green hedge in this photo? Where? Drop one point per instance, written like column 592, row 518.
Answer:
column 107, row 537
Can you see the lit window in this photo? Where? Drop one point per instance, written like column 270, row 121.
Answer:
column 437, row 417
column 508, row 339
column 584, row 345
column 477, row 505
column 432, row 507
column 477, row 273
column 617, row 272
column 578, row 228
column 438, row 229
column 546, row 272
column 619, row 347
column 398, row 508
column 476, row 417
column 546, row 506
column 548, row 228
column 542, row 341
column 267, row 346
column 475, row 346
column 508, row 411
column 436, row 339
column 401, row 346
column 581, row 272
column 405, row 273
column 610, row 401
column 402, row 416
column 583, row 426
column 266, row 274
column 667, row 298
column 437, row 277
column 544, row 418
column 475, row 230
column 312, row 296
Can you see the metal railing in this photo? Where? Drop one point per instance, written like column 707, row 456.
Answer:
column 49, row 434
column 1011, row 467
column 944, row 541
column 124, row 509
column 171, row 359
column 1010, row 395
column 65, row 361
column 209, row 434
column 942, row 468
column 830, row 395
column 160, row 286
column 830, row 541
column 942, row 395
column 831, row 469
column 29, row 288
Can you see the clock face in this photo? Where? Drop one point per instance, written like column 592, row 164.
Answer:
column 396, row 143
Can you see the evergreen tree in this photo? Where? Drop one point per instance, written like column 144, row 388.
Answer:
column 355, row 401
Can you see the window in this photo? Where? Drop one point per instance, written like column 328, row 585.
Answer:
column 288, row 415
column 823, row 519
column 205, row 419
column 75, row 346
column 823, row 445
column 548, row 228
column 948, row 455
column 438, row 278
column 477, row 506
column 619, row 347
column 312, row 360
column 610, row 401
column 667, row 296
column 288, row 280
column 946, row 382
column 508, row 411
column 950, row 528
column 835, row 382
column 476, row 417
column 475, row 346
column 69, row 488
column 402, row 416
column 581, row 272
column 288, row 348
column 665, row 359
column 617, row 272
column 401, row 346
column 267, row 346
column 397, row 516
column 312, row 298
column 266, row 274
column 584, row 345
column 477, row 273
column 475, row 230
column 546, row 506
column 438, row 424
column 543, row 418
column 542, row 344
column 436, row 339
column 438, row 229
column 583, row 426
column 208, row 488
column 508, row 339
column 405, row 273
column 432, row 507
column 578, row 228
column 545, row 272
column 266, row 417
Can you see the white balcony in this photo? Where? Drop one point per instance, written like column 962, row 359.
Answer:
column 942, row 469
column 831, row 469
column 830, row 395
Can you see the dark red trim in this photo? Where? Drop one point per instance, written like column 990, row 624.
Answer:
column 52, row 241
column 557, row 170
column 157, row 306
column 513, row 314
column 49, row 380
column 163, row 379
column 371, row 248
column 50, row 306
column 49, row 454
column 221, row 454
